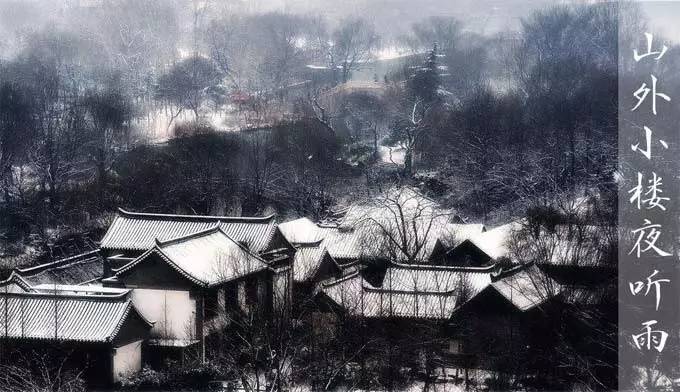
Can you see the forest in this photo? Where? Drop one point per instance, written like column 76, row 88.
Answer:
column 195, row 108
column 412, row 153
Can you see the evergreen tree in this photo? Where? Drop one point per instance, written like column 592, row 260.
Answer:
column 425, row 82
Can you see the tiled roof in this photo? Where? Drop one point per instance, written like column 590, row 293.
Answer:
column 577, row 246
column 300, row 231
column 14, row 284
column 341, row 244
column 405, row 200
column 363, row 226
column 59, row 317
column 527, row 288
column 207, row 258
column 432, row 292
column 410, row 291
column 359, row 298
column 436, row 279
column 307, row 260
column 83, row 268
column 138, row 231
column 494, row 242
column 85, row 289
column 359, row 230
column 453, row 234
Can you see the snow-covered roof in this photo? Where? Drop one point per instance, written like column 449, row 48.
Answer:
column 358, row 298
column 80, row 289
column 207, row 258
column 399, row 213
column 527, row 288
column 411, row 291
column 61, row 317
column 436, row 279
column 381, row 209
column 14, row 284
column 453, row 234
column 79, row 269
column 360, row 229
column 139, row 231
column 301, row 231
column 524, row 287
column 564, row 245
column 308, row 259
column 342, row 244
column 494, row 242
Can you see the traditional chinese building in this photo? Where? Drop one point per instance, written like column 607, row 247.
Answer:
column 91, row 329
column 494, row 328
column 313, row 262
column 197, row 284
column 132, row 233
column 85, row 268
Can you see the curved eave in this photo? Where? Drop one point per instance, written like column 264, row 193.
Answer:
column 119, row 325
column 432, row 267
column 142, row 215
column 157, row 250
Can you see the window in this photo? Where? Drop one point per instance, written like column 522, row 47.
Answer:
column 455, row 346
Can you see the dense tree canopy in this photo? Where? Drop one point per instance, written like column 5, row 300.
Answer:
column 293, row 113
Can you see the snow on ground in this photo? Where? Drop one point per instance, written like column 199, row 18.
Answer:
column 393, row 52
column 154, row 126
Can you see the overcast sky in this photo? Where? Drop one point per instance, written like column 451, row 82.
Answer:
column 664, row 17
column 392, row 17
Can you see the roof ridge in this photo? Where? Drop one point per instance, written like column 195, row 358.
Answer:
column 165, row 257
column 337, row 281
column 18, row 279
column 149, row 215
column 413, row 292
column 56, row 262
column 186, row 237
column 512, row 271
column 298, row 219
column 56, row 268
column 311, row 244
column 434, row 267
column 62, row 295
column 157, row 249
column 242, row 246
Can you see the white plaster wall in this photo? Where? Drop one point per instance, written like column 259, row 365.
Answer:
column 173, row 311
column 127, row 360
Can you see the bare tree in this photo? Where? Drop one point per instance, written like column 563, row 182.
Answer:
column 15, row 133
column 354, row 43
column 189, row 84
column 110, row 113
column 401, row 225
column 579, row 246
column 38, row 372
